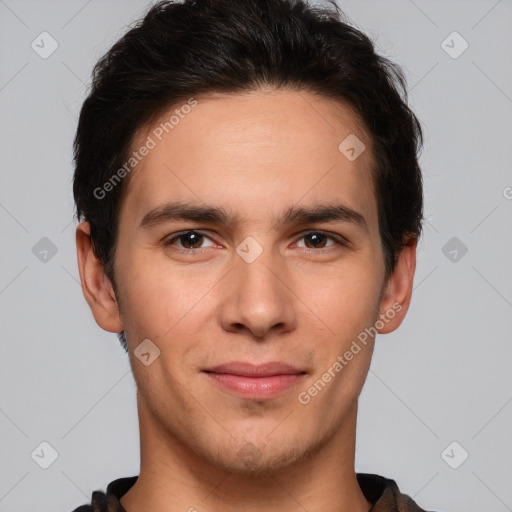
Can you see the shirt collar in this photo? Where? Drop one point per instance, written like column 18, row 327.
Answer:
column 382, row 492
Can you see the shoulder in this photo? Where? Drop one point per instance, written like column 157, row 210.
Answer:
column 385, row 495
column 109, row 501
column 98, row 503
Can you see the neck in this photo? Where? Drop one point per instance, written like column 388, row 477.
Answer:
column 174, row 477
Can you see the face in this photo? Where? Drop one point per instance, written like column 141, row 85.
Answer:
column 249, row 255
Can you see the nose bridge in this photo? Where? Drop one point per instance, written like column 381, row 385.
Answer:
column 259, row 270
column 258, row 298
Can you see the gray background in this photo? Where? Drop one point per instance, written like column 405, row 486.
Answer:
column 444, row 376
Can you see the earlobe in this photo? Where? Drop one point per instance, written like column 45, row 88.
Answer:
column 398, row 291
column 96, row 286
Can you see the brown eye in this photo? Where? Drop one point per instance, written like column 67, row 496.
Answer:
column 188, row 241
column 316, row 240
column 191, row 240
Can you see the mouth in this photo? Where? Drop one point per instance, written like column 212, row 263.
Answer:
column 255, row 382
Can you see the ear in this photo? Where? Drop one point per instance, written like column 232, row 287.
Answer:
column 96, row 286
column 398, row 291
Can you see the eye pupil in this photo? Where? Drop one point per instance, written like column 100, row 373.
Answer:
column 316, row 239
column 192, row 239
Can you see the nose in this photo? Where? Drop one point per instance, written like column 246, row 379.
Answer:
column 259, row 298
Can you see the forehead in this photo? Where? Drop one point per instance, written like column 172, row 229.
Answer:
column 259, row 151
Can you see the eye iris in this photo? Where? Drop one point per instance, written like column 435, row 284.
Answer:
column 316, row 239
column 193, row 239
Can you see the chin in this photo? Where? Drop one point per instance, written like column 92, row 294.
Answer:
column 257, row 458
column 259, row 465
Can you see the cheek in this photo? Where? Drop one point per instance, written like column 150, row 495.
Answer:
column 343, row 297
column 158, row 299
column 346, row 301
column 349, row 307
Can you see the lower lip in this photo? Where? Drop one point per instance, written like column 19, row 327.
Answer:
column 256, row 388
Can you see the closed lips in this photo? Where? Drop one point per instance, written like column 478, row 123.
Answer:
column 245, row 369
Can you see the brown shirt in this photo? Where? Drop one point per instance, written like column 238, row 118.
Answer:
column 380, row 491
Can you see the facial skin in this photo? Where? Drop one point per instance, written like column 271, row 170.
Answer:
column 302, row 301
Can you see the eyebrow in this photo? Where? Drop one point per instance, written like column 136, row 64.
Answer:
column 330, row 212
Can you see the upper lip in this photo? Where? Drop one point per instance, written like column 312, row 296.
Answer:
column 255, row 370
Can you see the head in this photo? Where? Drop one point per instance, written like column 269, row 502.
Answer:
column 248, row 189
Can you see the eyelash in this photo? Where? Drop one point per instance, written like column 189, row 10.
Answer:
column 337, row 239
